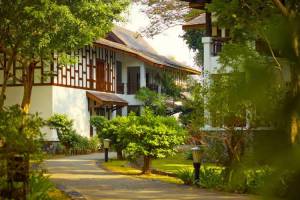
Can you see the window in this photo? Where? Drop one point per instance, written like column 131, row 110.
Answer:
column 135, row 109
column 133, row 79
column 120, row 85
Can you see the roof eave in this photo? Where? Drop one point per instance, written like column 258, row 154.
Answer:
column 151, row 62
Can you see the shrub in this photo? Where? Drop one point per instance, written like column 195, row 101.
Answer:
column 21, row 136
column 211, row 178
column 257, row 179
column 188, row 155
column 114, row 130
column 153, row 136
column 39, row 187
column 73, row 142
column 64, row 127
column 186, row 175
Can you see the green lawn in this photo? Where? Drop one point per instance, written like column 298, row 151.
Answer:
column 120, row 166
column 176, row 162
column 172, row 164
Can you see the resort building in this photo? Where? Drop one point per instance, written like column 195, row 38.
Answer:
column 103, row 80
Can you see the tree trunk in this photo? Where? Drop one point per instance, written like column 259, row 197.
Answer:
column 147, row 165
column 119, row 154
column 28, row 83
column 5, row 79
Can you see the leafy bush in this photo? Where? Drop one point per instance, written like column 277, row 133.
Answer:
column 39, row 187
column 257, row 179
column 73, row 142
column 152, row 136
column 64, row 127
column 186, row 175
column 188, row 155
column 211, row 178
column 155, row 101
column 20, row 132
column 113, row 130
column 21, row 136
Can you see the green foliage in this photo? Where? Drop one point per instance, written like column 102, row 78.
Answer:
column 39, row 187
column 211, row 178
column 26, row 127
column 186, row 175
column 21, row 135
column 153, row 136
column 192, row 115
column 111, row 129
column 216, row 151
column 73, row 142
column 37, row 28
column 274, row 25
column 169, row 87
column 153, row 100
column 193, row 38
column 188, row 155
column 99, row 122
column 64, row 127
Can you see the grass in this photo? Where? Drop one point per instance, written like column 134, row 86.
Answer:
column 121, row 167
column 56, row 194
column 177, row 162
column 172, row 164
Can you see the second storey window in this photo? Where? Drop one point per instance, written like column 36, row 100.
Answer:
column 133, row 80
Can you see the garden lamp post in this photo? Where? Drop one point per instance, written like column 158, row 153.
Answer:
column 197, row 162
column 106, row 147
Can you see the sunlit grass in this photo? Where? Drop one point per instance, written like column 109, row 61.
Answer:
column 122, row 168
column 177, row 162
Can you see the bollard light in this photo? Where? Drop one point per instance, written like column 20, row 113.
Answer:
column 197, row 155
column 106, row 143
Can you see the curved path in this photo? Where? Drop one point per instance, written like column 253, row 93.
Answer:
column 81, row 174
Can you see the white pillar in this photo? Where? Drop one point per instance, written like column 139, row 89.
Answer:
column 113, row 114
column 142, row 75
column 207, row 48
column 159, row 88
column 124, row 111
column 207, row 53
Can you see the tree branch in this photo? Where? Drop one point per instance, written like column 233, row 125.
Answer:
column 281, row 7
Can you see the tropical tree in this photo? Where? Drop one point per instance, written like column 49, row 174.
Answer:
column 114, row 130
column 153, row 100
column 30, row 31
column 152, row 137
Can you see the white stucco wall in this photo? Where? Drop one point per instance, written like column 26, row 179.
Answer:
column 73, row 102
column 41, row 102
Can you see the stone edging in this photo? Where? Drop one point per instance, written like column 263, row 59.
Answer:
column 74, row 195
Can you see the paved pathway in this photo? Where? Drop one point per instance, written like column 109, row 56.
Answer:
column 81, row 174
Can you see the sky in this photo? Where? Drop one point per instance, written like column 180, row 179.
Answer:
column 169, row 43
